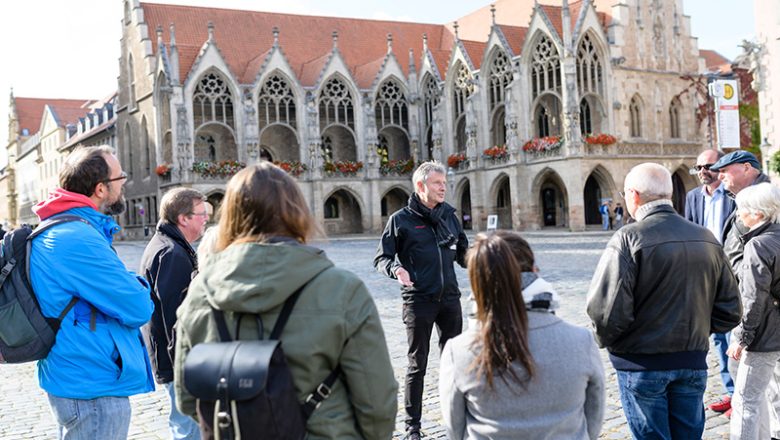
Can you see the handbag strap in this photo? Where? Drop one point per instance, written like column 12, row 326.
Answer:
column 219, row 317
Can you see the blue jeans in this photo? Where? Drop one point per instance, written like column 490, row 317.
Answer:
column 101, row 418
column 183, row 427
column 663, row 405
column 721, row 342
column 605, row 222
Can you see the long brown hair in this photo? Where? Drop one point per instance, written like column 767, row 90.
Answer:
column 503, row 337
column 263, row 201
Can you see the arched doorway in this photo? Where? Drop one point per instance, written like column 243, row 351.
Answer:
column 342, row 214
column 678, row 193
column 392, row 201
column 215, row 200
column 592, row 199
column 503, row 202
column 279, row 143
column 465, row 206
column 553, row 200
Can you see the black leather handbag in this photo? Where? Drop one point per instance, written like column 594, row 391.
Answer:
column 244, row 388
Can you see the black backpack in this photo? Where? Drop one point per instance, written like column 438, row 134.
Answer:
column 25, row 334
column 245, row 388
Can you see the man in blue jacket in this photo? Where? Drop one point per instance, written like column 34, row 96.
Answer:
column 99, row 357
column 167, row 264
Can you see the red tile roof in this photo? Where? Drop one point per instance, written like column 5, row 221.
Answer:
column 515, row 36
column 29, row 111
column 714, row 61
column 475, row 50
column 68, row 112
column 305, row 40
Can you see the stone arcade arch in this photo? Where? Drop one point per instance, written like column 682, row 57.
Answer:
column 598, row 186
column 215, row 142
column 682, row 182
column 393, row 200
column 502, row 201
column 392, row 119
column 214, row 198
column 280, row 142
column 214, row 120
column 464, row 204
column 553, row 199
column 342, row 213
column 500, row 77
column 337, row 121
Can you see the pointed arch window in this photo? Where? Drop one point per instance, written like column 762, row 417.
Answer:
column 336, row 104
column 276, row 102
column 635, row 114
column 545, row 68
column 586, row 119
column 146, row 147
column 590, row 72
column 129, row 151
column 212, row 101
column 130, row 82
column 431, row 98
column 391, row 106
column 500, row 77
column 674, row 118
column 463, row 88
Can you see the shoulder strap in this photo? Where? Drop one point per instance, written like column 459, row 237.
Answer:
column 322, row 392
column 55, row 220
column 219, row 317
column 284, row 315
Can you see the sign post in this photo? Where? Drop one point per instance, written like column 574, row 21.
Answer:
column 726, row 96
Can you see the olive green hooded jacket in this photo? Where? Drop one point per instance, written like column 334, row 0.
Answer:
column 334, row 322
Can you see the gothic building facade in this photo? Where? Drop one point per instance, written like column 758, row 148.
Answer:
column 539, row 110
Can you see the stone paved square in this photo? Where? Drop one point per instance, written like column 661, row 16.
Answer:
column 567, row 260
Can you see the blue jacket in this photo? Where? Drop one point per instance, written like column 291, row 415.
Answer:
column 76, row 259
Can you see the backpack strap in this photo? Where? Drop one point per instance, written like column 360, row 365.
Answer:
column 44, row 225
column 219, row 318
column 322, row 392
column 284, row 315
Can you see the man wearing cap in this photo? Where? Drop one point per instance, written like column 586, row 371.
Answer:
column 710, row 206
column 739, row 170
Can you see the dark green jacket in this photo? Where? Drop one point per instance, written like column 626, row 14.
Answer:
column 334, row 322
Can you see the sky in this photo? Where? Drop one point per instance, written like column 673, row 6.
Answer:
column 70, row 49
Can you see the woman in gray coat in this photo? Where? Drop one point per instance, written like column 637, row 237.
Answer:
column 755, row 342
column 520, row 372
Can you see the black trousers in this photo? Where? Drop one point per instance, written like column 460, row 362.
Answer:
column 420, row 318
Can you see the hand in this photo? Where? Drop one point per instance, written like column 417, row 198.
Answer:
column 403, row 277
column 735, row 351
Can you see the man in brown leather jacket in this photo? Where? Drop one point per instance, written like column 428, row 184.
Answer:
column 662, row 286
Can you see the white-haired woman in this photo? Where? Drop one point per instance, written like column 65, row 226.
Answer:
column 755, row 342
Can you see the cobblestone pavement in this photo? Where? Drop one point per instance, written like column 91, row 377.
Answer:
column 567, row 260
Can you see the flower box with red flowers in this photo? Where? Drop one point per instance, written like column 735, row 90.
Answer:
column 455, row 160
column 499, row 152
column 399, row 167
column 292, row 167
column 164, row 170
column 543, row 144
column 222, row 169
column 600, row 139
column 343, row 167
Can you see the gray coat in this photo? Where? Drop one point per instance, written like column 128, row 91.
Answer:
column 759, row 329
column 565, row 398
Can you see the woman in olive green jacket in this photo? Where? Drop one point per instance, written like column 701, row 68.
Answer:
column 260, row 259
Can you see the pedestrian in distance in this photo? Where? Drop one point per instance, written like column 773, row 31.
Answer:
column 99, row 357
column 262, row 258
column 604, row 211
column 520, row 372
column 756, row 340
column 663, row 284
column 167, row 264
column 618, row 215
column 419, row 247
column 710, row 206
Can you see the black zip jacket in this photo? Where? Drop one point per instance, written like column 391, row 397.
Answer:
column 167, row 263
column 733, row 229
column 409, row 241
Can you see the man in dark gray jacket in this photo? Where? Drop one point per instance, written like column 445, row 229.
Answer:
column 168, row 263
column 662, row 286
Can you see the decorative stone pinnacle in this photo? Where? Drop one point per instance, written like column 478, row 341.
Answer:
column 335, row 36
column 173, row 34
column 275, row 31
column 425, row 42
column 493, row 12
column 456, row 26
column 389, row 42
column 211, row 30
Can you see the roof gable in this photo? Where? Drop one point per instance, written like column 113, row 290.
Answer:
column 29, row 111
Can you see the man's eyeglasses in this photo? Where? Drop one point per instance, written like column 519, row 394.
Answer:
column 121, row 176
column 698, row 168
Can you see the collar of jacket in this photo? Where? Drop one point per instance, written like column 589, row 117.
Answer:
column 651, row 207
column 173, row 232
column 744, row 238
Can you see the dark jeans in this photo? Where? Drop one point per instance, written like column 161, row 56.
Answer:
column 663, row 405
column 419, row 318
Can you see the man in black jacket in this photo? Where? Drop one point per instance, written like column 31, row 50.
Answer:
column 167, row 263
column 663, row 284
column 418, row 248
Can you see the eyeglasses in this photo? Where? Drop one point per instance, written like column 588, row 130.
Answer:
column 121, row 176
column 622, row 194
column 698, row 168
